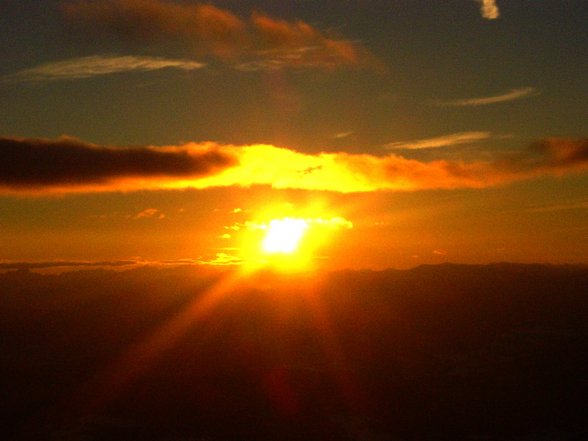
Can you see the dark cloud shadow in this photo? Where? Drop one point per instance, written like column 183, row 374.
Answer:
column 40, row 164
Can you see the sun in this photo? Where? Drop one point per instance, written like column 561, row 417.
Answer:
column 284, row 235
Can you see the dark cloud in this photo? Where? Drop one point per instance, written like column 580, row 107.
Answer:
column 548, row 156
column 39, row 163
column 212, row 28
column 254, row 43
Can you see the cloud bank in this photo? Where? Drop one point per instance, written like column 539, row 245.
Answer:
column 86, row 67
column 488, row 9
column 341, row 172
column 65, row 165
column 511, row 95
column 258, row 42
column 68, row 164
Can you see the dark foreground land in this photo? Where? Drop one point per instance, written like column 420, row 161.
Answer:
column 448, row 352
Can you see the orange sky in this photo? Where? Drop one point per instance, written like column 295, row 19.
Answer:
column 402, row 133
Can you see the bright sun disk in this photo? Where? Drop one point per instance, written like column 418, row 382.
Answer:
column 284, row 235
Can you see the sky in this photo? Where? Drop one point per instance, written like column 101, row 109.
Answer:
column 401, row 132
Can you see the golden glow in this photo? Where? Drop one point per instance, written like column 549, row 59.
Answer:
column 284, row 235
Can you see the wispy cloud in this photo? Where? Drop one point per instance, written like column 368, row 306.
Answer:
column 149, row 213
column 86, row 67
column 342, row 135
column 63, row 263
column 575, row 205
column 440, row 141
column 254, row 43
column 488, row 9
column 40, row 166
column 511, row 95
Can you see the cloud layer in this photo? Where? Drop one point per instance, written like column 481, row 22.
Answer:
column 68, row 165
column 86, row 67
column 511, row 95
column 259, row 42
column 341, row 172
column 37, row 164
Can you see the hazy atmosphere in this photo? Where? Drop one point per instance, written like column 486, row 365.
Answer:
column 431, row 131
column 294, row 220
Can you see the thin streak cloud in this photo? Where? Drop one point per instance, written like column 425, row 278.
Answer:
column 488, row 9
column 63, row 263
column 96, row 65
column 511, row 95
column 440, row 141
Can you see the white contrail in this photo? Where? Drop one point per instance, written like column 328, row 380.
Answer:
column 489, row 9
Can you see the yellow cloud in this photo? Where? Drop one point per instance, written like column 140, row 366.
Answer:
column 283, row 168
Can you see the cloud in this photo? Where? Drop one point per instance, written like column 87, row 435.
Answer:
column 86, row 67
column 511, row 95
column 440, row 141
column 342, row 135
column 221, row 259
column 488, row 9
column 62, row 263
column 68, row 164
column 149, row 213
column 282, row 168
column 298, row 44
column 555, row 156
column 210, row 28
column 332, row 223
column 575, row 205
column 256, row 43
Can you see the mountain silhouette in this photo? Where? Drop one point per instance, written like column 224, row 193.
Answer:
column 447, row 352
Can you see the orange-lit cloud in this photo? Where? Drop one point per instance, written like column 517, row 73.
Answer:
column 259, row 42
column 282, row 168
column 69, row 165
column 209, row 27
column 149, row 213
column 488, row 9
